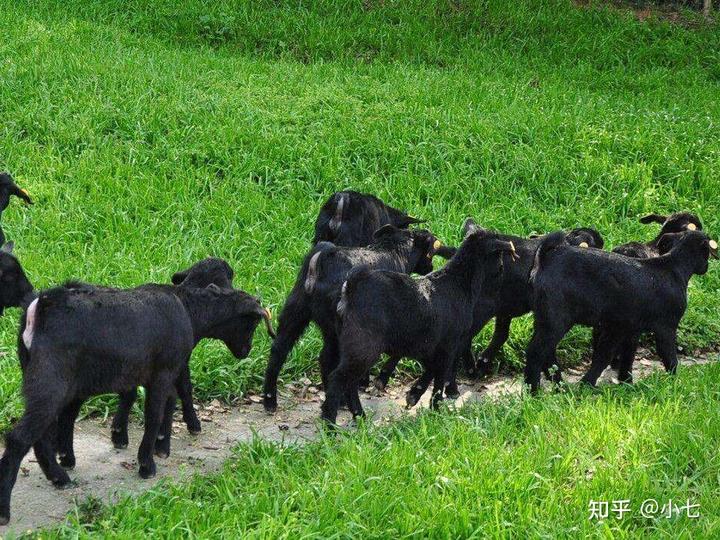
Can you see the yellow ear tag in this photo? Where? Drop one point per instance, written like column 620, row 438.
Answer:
column 24, row 191
column 437, row 244
column 713, row 244
column 691, row 227
column 583, row 245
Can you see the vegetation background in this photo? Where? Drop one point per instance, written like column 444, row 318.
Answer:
column 152, row 134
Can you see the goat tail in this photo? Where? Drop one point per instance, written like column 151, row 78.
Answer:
column 348, row 287
column 550, row 243
column 314, row 266
column 341, row 200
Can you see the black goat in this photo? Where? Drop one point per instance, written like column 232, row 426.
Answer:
column 15, row 288
column 8, row 188
column 624, row 296
column 76, row 342
column 430, row 318
column 674, row 223
column 209, row 271
column 513, row 300
column 317, row 291
column 349, row 219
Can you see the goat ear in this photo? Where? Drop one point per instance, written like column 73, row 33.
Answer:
column 8, row 248
column 653, row 218
column 599, row 242
column 385, row 230
column 179, row 277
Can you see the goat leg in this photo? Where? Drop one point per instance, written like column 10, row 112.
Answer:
column 119, row 428
column 65, row 430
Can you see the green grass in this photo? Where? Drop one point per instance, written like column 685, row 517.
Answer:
column 524, row 468
column 152, row 134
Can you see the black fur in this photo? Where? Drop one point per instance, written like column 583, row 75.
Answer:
column 430, row 318
column 317, row 290
column 661, row 244
column 89, row 340
column 15, row 288
column 208, row 271
column 514, row 300
column 622, row 295
column 349, row 219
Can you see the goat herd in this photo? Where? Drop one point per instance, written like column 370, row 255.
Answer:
column 78, row 340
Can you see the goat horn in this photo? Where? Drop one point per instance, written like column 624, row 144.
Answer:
column 267, row 317
column 513, row 254
column 583, row 245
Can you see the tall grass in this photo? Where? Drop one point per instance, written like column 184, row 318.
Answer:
column 152, row 134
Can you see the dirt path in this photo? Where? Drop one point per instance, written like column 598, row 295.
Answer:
column 106, row 473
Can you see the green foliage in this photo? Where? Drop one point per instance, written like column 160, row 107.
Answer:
column 152, row 134
column 521, row 468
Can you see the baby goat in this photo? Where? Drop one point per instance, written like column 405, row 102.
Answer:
column 16, row 290
column 674, row 223
column 661, row 244
column 317, row 291
column 349, row 219
column 624, row 296
column 209, row 271
column 77, row 342
column 430, row 318
column 514, row 298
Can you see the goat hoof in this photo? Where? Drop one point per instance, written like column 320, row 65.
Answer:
column 63, row 483
column 119, row 439
column 147, row 471
column 270, row 404
column 4, row 518
column 452, row 394
column 379, row 385
column 67, row 462
column 411, row 400
column 162, row 447
column 194, row 427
